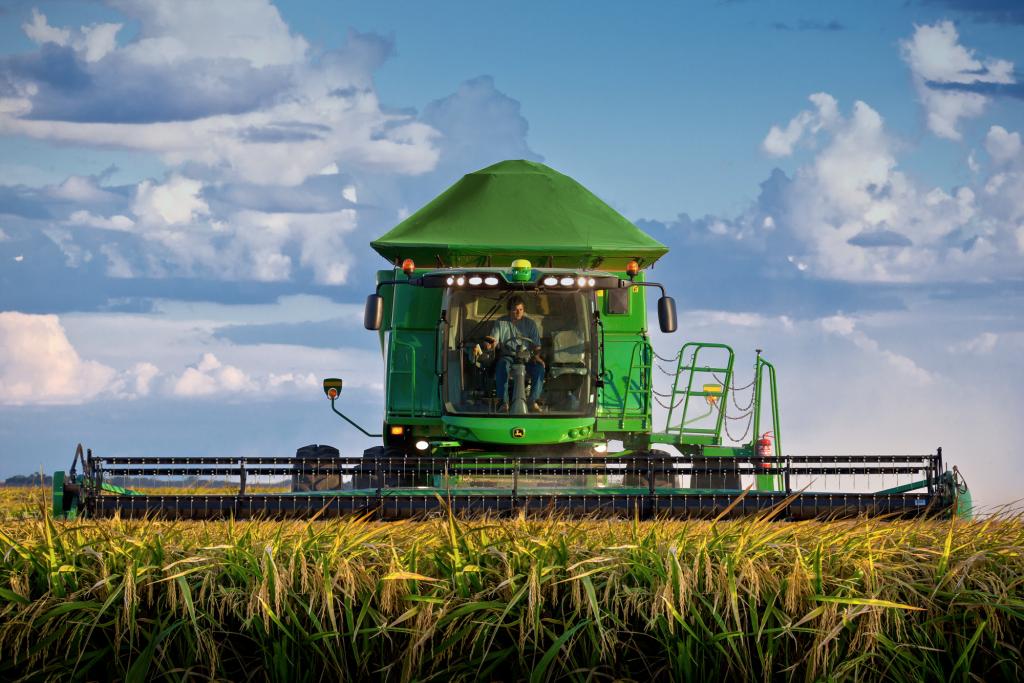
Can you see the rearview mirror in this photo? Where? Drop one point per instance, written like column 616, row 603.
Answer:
column 373, row 314
column 667, row 314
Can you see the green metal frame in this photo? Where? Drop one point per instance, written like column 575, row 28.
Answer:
column 697, row 435
column 772, row 482
column 642, row 391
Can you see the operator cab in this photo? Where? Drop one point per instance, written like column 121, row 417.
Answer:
column 538, row 343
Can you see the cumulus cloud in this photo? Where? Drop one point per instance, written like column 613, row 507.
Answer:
column 211, row 377
column 277, row 156
column 115, row 222
column 1002, row 145
column 92, row 42
column 982, row 344
column 847, row 327
column 266, row 153
column 40, row 366
column 263, row 112
column 480, row 125
column 40, row 31
column 175, row 202
column 181, row 30
column 780, row 141
column 944, row 72
column 850, row 213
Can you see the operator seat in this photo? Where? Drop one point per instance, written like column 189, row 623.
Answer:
column 567, row 371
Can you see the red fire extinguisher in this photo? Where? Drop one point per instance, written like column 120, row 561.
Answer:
column 764, row 447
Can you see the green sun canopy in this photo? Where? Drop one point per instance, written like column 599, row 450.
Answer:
column 518, row 209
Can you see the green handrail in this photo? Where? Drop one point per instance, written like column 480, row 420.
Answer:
column 692, row 368
column 643, row 390
column 774, row 481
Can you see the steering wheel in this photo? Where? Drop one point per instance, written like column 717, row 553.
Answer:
column 520, row 349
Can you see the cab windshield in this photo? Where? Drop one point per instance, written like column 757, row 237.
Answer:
column 519, row 353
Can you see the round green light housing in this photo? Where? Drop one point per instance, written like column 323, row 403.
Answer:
column 522, row 270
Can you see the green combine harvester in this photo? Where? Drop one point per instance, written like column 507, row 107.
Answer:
column 520, row 378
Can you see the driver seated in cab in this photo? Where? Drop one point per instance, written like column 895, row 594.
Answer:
column 509, row 334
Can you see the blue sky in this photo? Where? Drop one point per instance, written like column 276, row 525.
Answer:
column 187, row 192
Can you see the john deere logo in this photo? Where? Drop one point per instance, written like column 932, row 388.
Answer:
column 518, row 432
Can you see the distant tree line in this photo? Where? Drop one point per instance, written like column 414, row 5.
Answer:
column 35, row 479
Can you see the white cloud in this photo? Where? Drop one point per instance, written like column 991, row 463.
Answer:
column 117, row 264
column 982, row 344
column 781, row 141
column 850, row 214
column 195, row 383
column 847, row 327
column 115, row 222
column 179, row 30
column 250, row 123
column 319, row 115
column 81, row 189
column 98, row 40
column 93, row 41
column 40, row 366
column 143, row 375
column 175, row 202
column 210, row 377
column 260, row 238
column 936, row 58
column 254, row 147
column 40, row 31
column 1002, row 145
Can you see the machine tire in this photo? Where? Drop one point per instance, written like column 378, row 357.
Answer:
column 315, row 482
column 724, row 475
column 368, row 481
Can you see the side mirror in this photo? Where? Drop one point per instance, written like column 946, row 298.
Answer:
column 373, row 314
column 667, row 314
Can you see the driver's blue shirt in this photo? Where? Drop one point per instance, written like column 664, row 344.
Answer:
column 506, row 329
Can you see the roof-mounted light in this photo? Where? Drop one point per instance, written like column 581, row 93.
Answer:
column 408, row 266
column 522, row 270
column 450, row 281
column 567, row 281
column 460, row 281
column 490, row 280
column 332, row 387
column 581, row 281
column 550, row 281
column 476, row 280
column 632, row 268
column 591, row 282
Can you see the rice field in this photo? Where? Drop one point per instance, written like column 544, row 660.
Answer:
column 519, row 599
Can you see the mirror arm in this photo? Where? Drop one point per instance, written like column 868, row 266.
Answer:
column 630, row 283
column 411, row 281
column 375, row 436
